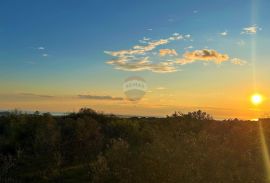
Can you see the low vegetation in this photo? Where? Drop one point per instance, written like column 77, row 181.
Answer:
column 92, row 147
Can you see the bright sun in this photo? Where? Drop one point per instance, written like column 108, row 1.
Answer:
column 256, row 99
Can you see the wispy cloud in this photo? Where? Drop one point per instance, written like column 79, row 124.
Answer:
column 96, row 97
column 141, row 57
column 225, row 33
column 143, row 65
column 187, row 36
column 251, row 30
column 160, row 88
column 36, row 95
column 170, row 52
column 41, row 48
column 238, row 61
column 188, row 47
column 143, row 49
column 42, row 51
column 203, row 55
column 145, row 40
column 137, row 58
column 241, row 43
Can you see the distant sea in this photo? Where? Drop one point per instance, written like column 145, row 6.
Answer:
column 5, row 112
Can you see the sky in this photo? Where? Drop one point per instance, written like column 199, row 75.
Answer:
column 62, row 55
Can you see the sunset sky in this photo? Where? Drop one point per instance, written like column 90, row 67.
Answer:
column 61, row 55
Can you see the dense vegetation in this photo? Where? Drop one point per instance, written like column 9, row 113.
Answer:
column 91, row 147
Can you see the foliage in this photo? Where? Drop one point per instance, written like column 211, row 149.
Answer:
column 91, row 147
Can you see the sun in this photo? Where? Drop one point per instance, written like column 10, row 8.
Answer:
column 256, row 99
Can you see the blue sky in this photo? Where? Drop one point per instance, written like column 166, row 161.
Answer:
column 57, row 47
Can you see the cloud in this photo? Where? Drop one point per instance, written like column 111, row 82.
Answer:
column 137, row 49
column 143, row 65
column 140, row 57
column 225, row 33
column 188, row 47
column 187, row 36
column 143, row 49
column 183, row 61
column 203, row 55
column 36, row 95
column 251, row 30
column 137, row 58
column 195, row 11
column 41, row 48
column 170, row 52
column 45, row 55
column 238, row 61
column 208, row 55
column 144, row 40
column 95, row 97
column 241, row 43
column 160, row 88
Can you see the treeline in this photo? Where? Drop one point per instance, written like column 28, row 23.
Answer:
column 93, row 147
